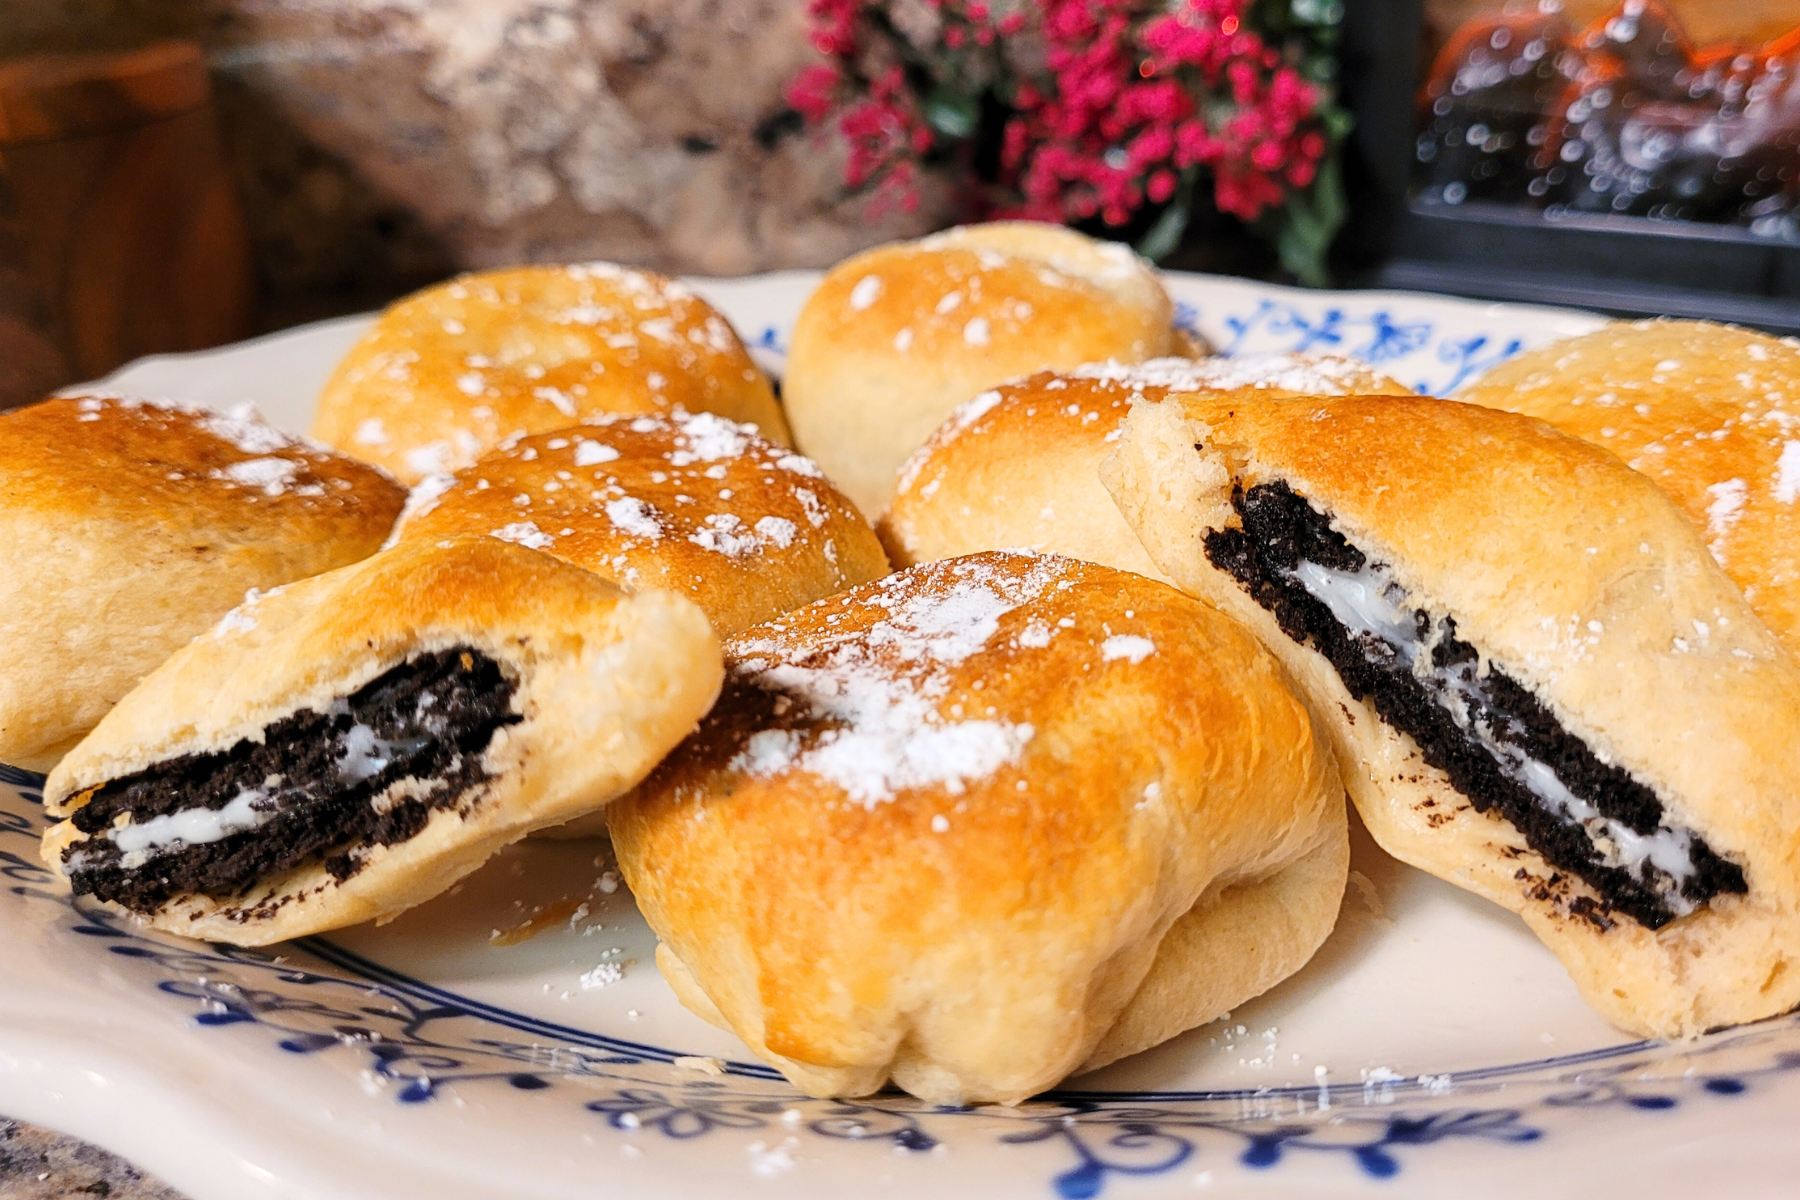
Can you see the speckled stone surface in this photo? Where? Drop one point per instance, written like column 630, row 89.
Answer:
column 379, row 146
column 36, row 1164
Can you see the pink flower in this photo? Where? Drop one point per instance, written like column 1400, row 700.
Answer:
column 1129, row 94
column 1154, row 146
column 811, row 92
column 834, row 26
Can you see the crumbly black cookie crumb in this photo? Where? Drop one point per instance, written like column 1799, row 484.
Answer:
column 1280, row 530
column 435, row 715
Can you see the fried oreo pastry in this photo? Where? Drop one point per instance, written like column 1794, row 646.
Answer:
column 129, row 526
column 1541, row 686
column 350, row 746
column 985, row 823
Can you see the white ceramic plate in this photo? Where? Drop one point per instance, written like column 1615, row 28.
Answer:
column 1433, row 1048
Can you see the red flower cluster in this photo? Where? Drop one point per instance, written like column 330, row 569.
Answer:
column 880, row 121
column 1130, row 95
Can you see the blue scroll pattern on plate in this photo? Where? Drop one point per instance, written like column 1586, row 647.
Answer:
column 418, row 1042
column 1410, row 348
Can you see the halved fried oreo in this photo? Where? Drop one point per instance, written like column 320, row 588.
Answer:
column 1542, row 687
column 349, row 746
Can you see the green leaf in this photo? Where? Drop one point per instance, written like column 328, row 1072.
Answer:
column 1317, row 12
column 1320, row 68
column 1338, row 122
column 1164, row 236
column 1304, row 228
column 953, row 114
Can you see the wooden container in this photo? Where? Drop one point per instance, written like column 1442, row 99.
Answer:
column 120, row 230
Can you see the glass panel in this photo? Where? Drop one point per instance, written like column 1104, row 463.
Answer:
column 1687, row 111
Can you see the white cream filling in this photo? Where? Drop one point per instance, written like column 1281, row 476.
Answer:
column 1360, row 602
column 138, row 842
column 1369, row 602
column 363, row 757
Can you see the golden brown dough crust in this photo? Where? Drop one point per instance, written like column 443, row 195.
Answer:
column 456, row 369
column 696, row 504
column 129, row 526
column 1018, row 466
column 1710, row 412
column 898, row 336
column 938, row 827
column 606, row 684
column 1580, row 579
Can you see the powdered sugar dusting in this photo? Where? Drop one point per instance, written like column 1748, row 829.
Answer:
column 590, row 453
column 945, row 628
column 768, row 751
column 234, row 622
column 633, row 516
column 245, row 429
column 1787, row 473
column 880, row 690
column 429, row 459
column 1130, row 647
column 809, row 504
column 242, row 619
column 723, row 533
column 524, row 533
column 558, row 399
column 710, row 438
column 92, row 401
column 1724, row 509
column 865, row 293
column 800, row 465
column 677, row 479
column 445, row 454
column 892, row 752
column 778, row 530
column 423, row 497
column 271, row 475
column 634, row 282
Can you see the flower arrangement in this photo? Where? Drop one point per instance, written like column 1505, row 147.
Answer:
column 1093, row 112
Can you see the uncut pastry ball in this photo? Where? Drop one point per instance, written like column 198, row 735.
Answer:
column 129, row 526
column 351, row 745
column 985, row 823
column 452, row 371
column 898, row 336
column 1710, row 412
column 745, row 528
column 1018, row 466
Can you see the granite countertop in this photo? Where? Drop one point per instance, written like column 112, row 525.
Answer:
column 36, row 1164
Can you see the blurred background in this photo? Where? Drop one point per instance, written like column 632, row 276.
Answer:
column 181, row 173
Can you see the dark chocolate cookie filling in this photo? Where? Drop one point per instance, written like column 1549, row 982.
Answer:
column 1281, row 531
column 310, row 786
